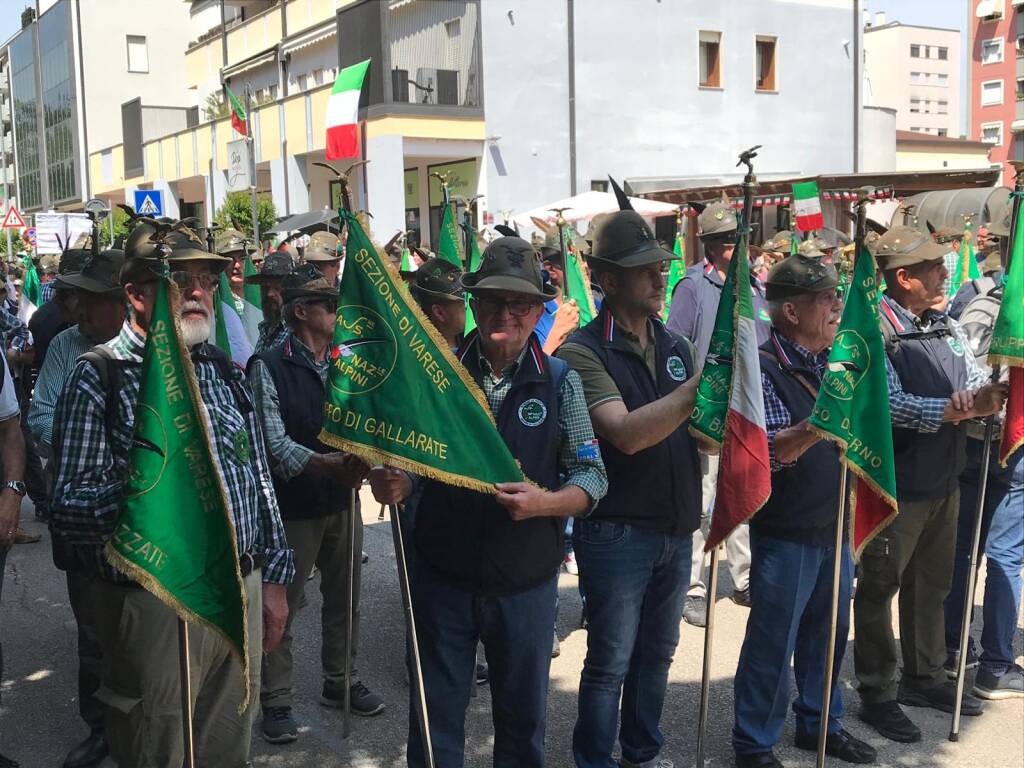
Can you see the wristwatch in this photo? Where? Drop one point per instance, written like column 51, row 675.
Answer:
column 17, row 486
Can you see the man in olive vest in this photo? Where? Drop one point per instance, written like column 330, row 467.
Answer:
column 934, row 385
column 486, row 566
column 640, row 382
column 792, row 537
column 313, row 485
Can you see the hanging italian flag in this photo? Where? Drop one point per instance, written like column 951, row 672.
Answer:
column 239, row 119
column 229, row 330
column 342, row 112
column 252, row 304
column 966, row 265
column 676, row 272
column 1008, row 344
column 807, row 206
column 730, row 405
column 31, row 291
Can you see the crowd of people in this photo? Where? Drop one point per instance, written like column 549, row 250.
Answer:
column 598, row 418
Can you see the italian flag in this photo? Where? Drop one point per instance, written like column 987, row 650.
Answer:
column 239, row 119
column 31, row 291
column 342, row 111
column 730, row 406
column 229, row 330
column 966, row 265
column 252, row 312
column 807, row 207
column 1008, row 344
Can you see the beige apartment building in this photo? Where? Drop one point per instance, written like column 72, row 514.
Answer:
column 916, row 71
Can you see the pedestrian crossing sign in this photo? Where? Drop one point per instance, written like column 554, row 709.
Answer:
column 149, row 202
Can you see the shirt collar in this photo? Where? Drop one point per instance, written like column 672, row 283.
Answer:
column 804, row 356
column 509, row 370
column 908, row 319
column 129, row 344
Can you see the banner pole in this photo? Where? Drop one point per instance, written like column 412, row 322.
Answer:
column 972, row 571
column 416, row 673
column 830, row 649
column 184, row 673
column 705, row 680
column 346, row 728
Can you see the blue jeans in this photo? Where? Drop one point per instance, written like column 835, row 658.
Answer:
column 3, row 565
column 1002, row 541
column 791, row 596
column 635, row 581
column 516, row 633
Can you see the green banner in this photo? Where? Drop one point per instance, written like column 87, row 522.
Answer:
column 852, row 408
column 1007, row 346
column 174, row 534
column 448, row 246
column 396, row 395
column 577, row 287
column 474, row 265
column 252, row 291
column 676, row 272
column 966, row 265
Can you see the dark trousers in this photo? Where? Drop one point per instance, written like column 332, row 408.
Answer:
column 3, row 565
column 635, row 581
column 791, row 597
column 516, row 634
column 90, row 654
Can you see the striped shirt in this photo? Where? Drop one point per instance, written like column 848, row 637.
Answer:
column 57, row 365
column 92, row 457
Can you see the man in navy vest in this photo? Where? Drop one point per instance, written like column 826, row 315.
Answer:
column 486, row 566
column 313, row 484
column 634, row 550
column 694, row 306
column 934, row 385
column 792, row 538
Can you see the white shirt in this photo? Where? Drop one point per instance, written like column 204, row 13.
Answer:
column 8, row 397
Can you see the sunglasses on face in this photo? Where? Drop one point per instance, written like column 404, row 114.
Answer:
column 515, row 307
column 185, row 280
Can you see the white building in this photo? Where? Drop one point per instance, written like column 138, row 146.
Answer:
column 916, row 71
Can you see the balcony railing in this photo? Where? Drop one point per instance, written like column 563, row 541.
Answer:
column 426, row 55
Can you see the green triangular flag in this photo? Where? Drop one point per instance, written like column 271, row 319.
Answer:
column 474, row 265
column 174, row 534
column 448, row 246
column 396, row 393
column 408, row 265
column 676, row 272
column 577, row 288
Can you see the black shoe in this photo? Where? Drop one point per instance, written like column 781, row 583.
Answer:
column 888, row 719
column 482, row 674
column 6, row 762
column 695, row 611
column 741, row 597
column 1009, row 685
column 758, row 760
column 842, row 745
column 941, row 697
column 89, row 753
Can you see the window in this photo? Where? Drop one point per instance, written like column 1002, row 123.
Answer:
column 138, row 54
column 1020, row 90
column 992, row 133
column 916, row 130
column 915, row 105
column 943, row 53
column 452, row 28
column 943, row 108
column 765, row 55
column 942, row 132
column 992, row 51
column 710, row 59
column 915, row 51
column 926, row 107
column 943, row 80
column 927, row 52
column 1020, row 45
column 302, row 82
column 991, row 92
column 318, row 77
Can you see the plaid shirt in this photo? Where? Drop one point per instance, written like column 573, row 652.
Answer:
column 911, row 411
column 287, row 458
column 92, row 458
column 46, row 291
column 15, row 333
column 776, row 415
column 61, row 356
column 573, row 423
column 271, row 337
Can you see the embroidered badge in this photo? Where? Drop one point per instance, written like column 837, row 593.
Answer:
column 532, row 412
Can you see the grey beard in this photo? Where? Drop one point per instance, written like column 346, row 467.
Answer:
column 194, row 331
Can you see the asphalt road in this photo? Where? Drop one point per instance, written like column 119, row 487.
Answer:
column 39, row 718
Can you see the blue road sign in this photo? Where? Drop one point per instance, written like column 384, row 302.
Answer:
column 149, row 202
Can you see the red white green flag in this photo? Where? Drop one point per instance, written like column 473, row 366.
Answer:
column 807, row 206
column 966, row 265
column 239, row 119
column 342, row 113
column 730, row 406
column 1008, row 344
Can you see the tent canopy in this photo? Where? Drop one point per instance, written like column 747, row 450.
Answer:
column 587, row 205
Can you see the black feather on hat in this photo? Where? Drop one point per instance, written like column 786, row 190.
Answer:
column 620, row 196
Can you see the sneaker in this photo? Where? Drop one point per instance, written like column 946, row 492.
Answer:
column 364, row 702
column 279, row 726
column 952, row 657
column 483, row 674
column 695, row 611
column 1009, row 685
column 741, row 597
column 888, row 719
column 556, row 647
column 570, row 564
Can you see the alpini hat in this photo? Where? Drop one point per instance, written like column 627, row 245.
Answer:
column 625, row 240
column 509, row 264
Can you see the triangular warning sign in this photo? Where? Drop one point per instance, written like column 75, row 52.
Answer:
column 13, row 219
column 148, row 207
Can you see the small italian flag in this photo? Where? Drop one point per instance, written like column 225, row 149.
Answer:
column 342, row 111
column 239, row 119
column 807, row 207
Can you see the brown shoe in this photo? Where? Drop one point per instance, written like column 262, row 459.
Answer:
column 24, row 537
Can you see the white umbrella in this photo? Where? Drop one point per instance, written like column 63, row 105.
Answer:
column 587, row 205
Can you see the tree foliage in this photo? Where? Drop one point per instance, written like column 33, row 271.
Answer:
column 237, row 210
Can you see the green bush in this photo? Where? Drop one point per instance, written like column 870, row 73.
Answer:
column 237, row 209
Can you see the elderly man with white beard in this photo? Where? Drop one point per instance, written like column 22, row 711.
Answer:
column 92, row 438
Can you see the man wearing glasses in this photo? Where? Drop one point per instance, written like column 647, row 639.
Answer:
column 486, row 566
column 314, row 485
column 92, row 439
column 694, row 306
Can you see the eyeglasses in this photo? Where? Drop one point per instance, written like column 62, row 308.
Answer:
column 515, row 307
column 185, row 280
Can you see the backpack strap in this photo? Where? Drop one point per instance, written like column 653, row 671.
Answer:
column 109, row 370
column 559, row 370
column 230, row 374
